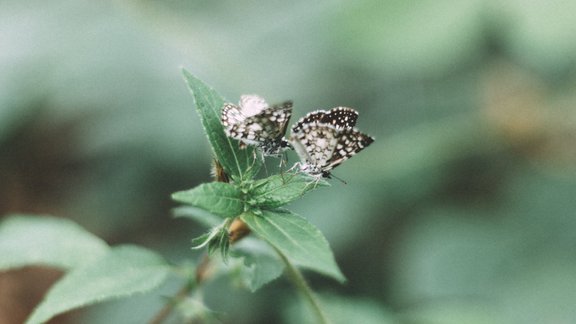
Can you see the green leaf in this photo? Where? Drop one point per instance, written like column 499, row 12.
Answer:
column 278, row 190
column 398, row 39
column 218, row 238
column 344, row 310
column 218, row 198
column 27, row 240
column 262, row 264
column 220, row 241
column 241, row 164
column 300, row 241
column 202, row 240
column 122, row 272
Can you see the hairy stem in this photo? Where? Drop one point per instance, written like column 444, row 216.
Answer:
column 303, row 287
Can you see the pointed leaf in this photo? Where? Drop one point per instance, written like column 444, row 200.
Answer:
column 27, row 240
column 202, row 240
column 219, row 198
column 242, row 164
column 278, row 190
column 122, row 272
column 300, row 241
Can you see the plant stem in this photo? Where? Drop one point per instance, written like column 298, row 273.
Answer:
column 163, row 314
column 301, row 284
column 203, row 273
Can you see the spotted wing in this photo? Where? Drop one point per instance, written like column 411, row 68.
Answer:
column 339, row 117
column 231, row 116
column 280, row 115
column 266, row 127
column 349, row 142
column 315, row 144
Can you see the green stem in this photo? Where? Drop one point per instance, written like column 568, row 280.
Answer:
column 202, row 274
column 301, row 284
column 163, row 314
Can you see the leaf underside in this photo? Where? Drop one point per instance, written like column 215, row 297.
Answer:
column 300, row 241
column 46, row 240
column 281, row 189
column 124, row 271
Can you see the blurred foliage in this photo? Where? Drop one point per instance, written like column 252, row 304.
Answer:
column 462, row 211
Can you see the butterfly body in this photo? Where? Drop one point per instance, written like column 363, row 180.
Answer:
column 325, row 139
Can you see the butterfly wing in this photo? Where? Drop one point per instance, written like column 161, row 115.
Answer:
column 349, row 142
column 231, row 116
column 310, row 118
column 254, row 123
column 314, row 144
column 252, row 105
column 280, row 115
column 339, row 117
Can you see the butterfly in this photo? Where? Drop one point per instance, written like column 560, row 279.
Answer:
column 323, row 140
column 254, row 122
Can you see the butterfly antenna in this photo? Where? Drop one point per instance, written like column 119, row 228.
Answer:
column 338, row 178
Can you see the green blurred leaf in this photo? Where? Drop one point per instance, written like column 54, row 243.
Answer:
column 342, row 310
column 300, row 241
column 262, row 264
column 459, row 310
column 278, row 190
column 542, row 293
column 411, row 37
column 534, row 28
column 241, row 164
column 27, row 240
column 122, row 272
column 219, row 198
column 200, row 215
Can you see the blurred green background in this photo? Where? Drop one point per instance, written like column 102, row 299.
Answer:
column 462, row 211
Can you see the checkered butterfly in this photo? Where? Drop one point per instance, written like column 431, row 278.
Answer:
column 325, row 139
column 254, row 122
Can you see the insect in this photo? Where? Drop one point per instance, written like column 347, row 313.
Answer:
column 323, row 140
column 254, row 122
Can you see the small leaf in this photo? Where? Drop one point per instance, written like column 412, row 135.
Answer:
column 281, row 189
column 27, row 240
column 202, row 240
column 219, row 198
column 300, row 241
column 242, row 164
column 262, row 264
column 122, row 272
column 224, row 244
column 217, row 238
